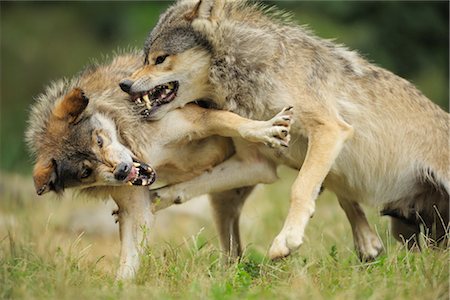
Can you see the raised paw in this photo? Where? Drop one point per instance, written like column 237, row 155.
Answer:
column 284, row 244
column 280, row 127
column 284, row 117
column 274, row 132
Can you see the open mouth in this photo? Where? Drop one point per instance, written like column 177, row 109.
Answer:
column 159, row 95
column 141, row 174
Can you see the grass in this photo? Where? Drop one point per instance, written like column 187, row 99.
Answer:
column 42, row 258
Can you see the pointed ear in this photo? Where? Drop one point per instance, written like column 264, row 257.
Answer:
column 44, row 176
column 207, row 10
column 71, row 106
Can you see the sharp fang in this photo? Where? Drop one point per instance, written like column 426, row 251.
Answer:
column 147, row 102
column 138, row 101
column 137, row 165
column 129, row 183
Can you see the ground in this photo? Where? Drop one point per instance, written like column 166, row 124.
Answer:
column 49, row 249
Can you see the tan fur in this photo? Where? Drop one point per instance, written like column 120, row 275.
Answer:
column 65, row 131
column 71, row 106
column 366, row 134
column 42, row 173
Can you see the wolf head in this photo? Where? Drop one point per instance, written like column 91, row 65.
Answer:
column 76, row 147
column 176, row 58
column 213, row 50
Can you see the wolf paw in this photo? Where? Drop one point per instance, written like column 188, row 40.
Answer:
column 368, row 246
column 284, row 244
column 115, row 213
column 274, row 132
column 162, row 198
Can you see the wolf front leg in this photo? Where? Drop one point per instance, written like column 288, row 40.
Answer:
column 198, row 123
column 325, row 141
column 246, row 168
column 135, row 220
column 273, row 132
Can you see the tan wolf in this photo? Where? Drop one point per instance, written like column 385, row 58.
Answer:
column 364, row 133
column 86, row 134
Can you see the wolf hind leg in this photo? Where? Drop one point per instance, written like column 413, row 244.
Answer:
column 227, row 207
column 435, row 218
column 433, row 204
column 367, row 243
column 406, row 232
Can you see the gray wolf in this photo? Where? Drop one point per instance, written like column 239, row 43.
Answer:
column 86, row 134
column 364, row 133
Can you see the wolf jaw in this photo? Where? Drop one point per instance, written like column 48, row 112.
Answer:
column 141, row 174
column 156, row 96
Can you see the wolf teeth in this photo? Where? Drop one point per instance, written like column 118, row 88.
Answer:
column 146, row 167
column 138, row 100
column 137, row 165
column 148, row 104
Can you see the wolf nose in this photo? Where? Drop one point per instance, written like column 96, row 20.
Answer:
column 121, row 171
column 125, row 85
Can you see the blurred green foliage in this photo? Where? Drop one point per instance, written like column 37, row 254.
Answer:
column 44, row 41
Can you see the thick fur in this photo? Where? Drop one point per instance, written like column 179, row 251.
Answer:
column 366, row 134
column 88, row 123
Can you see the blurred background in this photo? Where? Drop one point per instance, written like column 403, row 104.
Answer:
column 44, row 41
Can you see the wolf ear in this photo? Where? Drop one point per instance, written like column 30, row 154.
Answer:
column 71, row 106
column 44, row 176
column 207, row 10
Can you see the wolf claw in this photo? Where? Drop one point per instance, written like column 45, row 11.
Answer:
column 115, row 213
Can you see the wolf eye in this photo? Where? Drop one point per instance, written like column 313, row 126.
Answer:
column 160, row 59
column 99, row 141
column 86, row 172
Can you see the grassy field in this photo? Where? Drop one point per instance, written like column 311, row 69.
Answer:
column 43, row 257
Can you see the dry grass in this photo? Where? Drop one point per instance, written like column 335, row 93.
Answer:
column 43, row 254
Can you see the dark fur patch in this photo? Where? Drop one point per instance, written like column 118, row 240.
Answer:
column 177, row 34
column 394, row 213
column 175, row 40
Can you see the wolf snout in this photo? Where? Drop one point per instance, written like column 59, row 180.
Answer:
column 122, row 171
column 125, row 85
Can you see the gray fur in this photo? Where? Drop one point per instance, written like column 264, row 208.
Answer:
column 392, row 136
